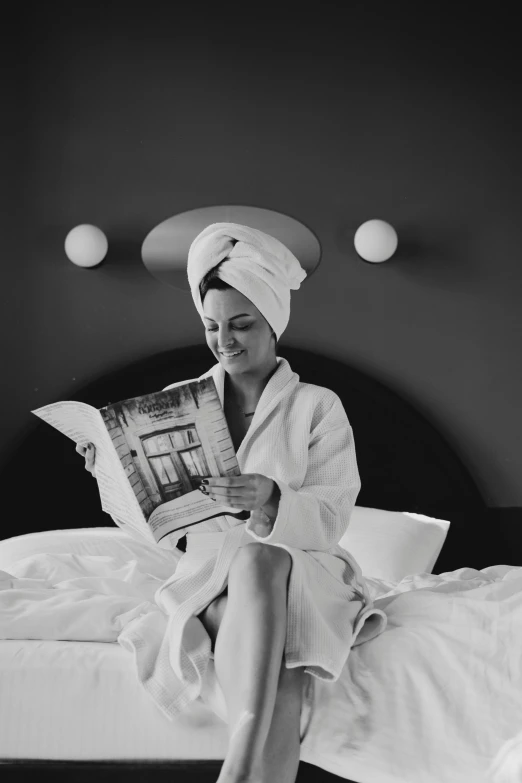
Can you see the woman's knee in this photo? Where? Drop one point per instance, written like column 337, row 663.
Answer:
column 262, row 561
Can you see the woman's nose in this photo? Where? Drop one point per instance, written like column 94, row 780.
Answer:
column 224, row 338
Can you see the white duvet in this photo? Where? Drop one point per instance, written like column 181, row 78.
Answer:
column 436, row 698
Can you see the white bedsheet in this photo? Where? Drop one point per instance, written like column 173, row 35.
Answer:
column 82, row 701
column 436, row 698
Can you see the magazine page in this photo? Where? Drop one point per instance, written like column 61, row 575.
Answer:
column 83, row 424
column 167, row 442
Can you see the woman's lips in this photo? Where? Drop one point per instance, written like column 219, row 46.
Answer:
column 233, row 357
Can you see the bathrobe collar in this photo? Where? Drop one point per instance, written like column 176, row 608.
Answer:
column 282, row 382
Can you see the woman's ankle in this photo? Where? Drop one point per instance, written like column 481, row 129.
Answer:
column 247, row 772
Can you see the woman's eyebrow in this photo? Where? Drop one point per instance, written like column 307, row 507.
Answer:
column 230, row 319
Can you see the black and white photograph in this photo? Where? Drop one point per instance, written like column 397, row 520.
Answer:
column 260, row 410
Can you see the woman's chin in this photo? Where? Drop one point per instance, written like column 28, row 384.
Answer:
column 233, row 361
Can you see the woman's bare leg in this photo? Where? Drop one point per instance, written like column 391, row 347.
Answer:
column 282, row 747
column 248, row 655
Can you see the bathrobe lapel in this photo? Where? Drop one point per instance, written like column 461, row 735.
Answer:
column 282, row 382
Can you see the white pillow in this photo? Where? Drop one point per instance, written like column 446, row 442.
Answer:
column 90, row 541
column 390, row 545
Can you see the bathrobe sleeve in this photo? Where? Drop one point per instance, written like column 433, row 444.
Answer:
column 317, row 515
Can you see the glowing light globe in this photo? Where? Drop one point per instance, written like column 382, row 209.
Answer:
column 375, row 241
column 86, row 245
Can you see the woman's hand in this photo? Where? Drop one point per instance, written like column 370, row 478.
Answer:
column 249, row 492
column 89, row 452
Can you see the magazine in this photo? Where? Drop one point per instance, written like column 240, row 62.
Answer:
column 152, row 453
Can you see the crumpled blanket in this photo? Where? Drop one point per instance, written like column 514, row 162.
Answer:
column 73, row 597
column 435, row 698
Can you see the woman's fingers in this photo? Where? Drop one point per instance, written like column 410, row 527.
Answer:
column 89, row 457
column 88, row 451
column 234, row 499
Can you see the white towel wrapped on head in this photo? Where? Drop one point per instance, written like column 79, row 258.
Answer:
column 256, row 264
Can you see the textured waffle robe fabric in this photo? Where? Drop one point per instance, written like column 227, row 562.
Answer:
column 301, row 438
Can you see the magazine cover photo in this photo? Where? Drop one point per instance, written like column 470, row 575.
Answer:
column 167, row 442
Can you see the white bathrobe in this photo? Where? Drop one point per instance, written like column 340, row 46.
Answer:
column 301, row 438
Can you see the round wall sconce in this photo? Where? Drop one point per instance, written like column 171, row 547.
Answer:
column 165, row 249
column 375, row 241
column 86, row 245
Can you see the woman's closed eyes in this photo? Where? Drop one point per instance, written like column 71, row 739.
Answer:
column 239, row 328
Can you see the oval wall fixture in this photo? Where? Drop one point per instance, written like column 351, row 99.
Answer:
column 165, row 249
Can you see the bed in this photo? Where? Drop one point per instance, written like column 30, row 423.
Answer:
column 73, row 707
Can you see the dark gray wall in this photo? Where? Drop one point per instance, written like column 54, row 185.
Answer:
column 123, row 118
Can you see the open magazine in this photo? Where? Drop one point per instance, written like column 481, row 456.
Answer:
column 152, row 453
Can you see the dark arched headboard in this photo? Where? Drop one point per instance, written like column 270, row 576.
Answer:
column 404, row 462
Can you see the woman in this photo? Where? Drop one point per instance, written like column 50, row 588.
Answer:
column 284, row 602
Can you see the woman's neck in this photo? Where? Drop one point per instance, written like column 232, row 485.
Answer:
column 247, row 389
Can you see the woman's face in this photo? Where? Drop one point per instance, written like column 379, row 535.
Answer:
column 232, row 324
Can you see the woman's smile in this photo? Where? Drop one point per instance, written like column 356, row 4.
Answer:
column 232, row 355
